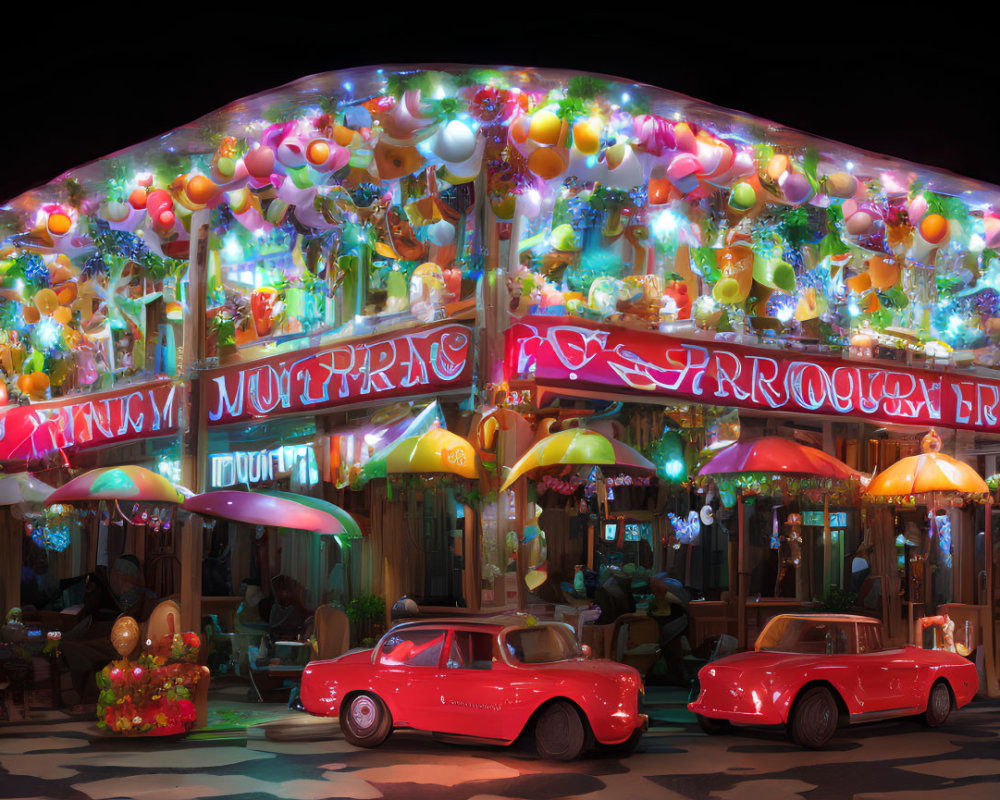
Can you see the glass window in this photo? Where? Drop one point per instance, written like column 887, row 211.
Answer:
column 542, row 644
column 413, row 647
column 470, row 650
column 869, row 638
column 804, row 635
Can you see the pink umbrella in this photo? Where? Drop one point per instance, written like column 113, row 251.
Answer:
column 262, row 509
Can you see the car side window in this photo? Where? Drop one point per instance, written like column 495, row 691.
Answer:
column 869, row 638
column 470, row 650
column 419, row 647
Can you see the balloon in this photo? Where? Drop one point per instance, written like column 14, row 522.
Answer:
column 125, row 636
column 46, row 301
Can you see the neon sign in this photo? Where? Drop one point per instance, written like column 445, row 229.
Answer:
column 246, row 467
column 395, row 365
column 564, row 352
column 40, row 429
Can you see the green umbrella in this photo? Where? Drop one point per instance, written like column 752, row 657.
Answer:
column 351, row 528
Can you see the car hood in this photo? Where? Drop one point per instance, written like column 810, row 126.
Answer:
column 754, row 661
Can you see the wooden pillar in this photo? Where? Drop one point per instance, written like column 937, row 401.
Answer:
column 194, row 441
column 11, row 533
column 744, row 576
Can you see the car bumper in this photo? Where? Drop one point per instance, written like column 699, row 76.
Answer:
column 765, row 714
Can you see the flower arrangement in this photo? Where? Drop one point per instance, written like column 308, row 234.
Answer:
column 151, row 695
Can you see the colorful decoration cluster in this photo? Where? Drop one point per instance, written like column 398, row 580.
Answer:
column 354, row 199
column 151, row 695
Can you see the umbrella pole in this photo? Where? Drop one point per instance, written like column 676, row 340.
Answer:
column 744, row 578
column 827, row 544
column 989, row 626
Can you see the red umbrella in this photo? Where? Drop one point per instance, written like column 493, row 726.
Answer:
column 775, row 454
column 262, row 509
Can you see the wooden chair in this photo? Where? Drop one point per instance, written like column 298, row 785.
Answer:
column 333, row 633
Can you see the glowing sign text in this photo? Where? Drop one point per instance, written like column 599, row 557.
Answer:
column 399, row 364
column 134, row 412
column 561, row 352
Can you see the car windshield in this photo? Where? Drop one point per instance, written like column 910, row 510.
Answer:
column 806, row 635
column 542, row 644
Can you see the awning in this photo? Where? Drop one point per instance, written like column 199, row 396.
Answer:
column 23, row 487
column 435, row 451
column 351, row 527
column 117, row 483
column 257, row 508
column 578, row 446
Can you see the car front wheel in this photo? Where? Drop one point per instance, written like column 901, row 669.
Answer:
column 559, row 733
column 365, row 721
column 814, row 719
column 938, row 706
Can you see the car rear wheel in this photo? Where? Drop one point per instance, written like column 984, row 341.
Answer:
column 938, row 706
column 365, row 721
column 814, row 718
column 559, row 733
column 713, row 727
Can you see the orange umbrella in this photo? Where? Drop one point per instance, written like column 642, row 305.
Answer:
column 930, row 472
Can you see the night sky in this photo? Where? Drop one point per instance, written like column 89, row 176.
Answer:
column 915, row 85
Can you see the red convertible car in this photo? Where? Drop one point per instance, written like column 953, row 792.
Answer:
column 486, row 680
column 810, row 671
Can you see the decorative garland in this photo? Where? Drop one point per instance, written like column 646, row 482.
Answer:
column 769, row 484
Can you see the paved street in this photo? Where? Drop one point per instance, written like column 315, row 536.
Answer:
column 277, row 756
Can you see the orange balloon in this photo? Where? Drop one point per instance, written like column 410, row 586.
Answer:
column 125, row 635
column 587, row 138
column 62, row 315
column 38, row 382
column 59, row 224
column 547, row 162
column 24, row 383
column 67, row 294
column 318, row 151
column 342, row 136
column 201, row 189
column 546, row 127
column 30, row 314
column 934, row 228
column 46, row 301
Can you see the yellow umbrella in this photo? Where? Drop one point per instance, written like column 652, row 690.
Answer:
column 930, row 472
column 578, row 446
column 437, row 450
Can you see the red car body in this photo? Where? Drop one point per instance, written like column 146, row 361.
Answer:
column 475, row 678
column 840, row 652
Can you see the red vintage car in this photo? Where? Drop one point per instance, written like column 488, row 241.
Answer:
column 486, row 680
column 809, row 671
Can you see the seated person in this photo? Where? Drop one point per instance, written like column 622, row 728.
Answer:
column 86, row 647
column 288, row 617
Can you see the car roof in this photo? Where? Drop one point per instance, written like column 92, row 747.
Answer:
column 854, row 618
column 496, row 621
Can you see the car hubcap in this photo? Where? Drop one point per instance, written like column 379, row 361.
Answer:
column 941, row 703
column 363, row 713
column 818, row 716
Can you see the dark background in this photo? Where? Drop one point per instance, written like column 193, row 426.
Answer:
column 915, row 83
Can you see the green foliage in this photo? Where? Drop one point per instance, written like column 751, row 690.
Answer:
column 586, row 87
column 794, row 226
column 571, row 108
column 839, row 601
column 704, row 259
column 366, row 608
column 947, row 206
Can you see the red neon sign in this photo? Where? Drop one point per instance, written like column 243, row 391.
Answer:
column 394, row 365
column 133, row 412
column 565, row 352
